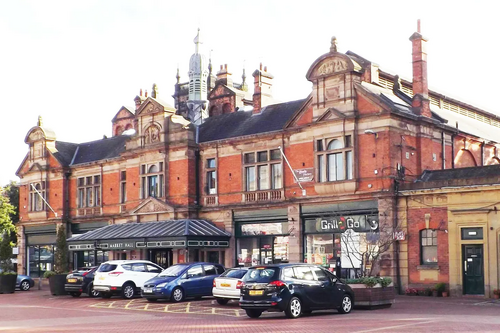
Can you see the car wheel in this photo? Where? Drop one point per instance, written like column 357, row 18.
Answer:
column 75, row 294
column 152, row 300
column 346, row 305
column 25, row 285
column 92, row 292
column 222, row 301
column 105, row 295
column 128, row 291
column 177, row 295
column 253, row 313
column 294, row 308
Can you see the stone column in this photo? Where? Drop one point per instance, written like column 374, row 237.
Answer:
column 21, row 246
column 296, row 250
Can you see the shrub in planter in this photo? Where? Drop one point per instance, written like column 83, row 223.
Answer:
column 7, row 276
column 57, row 277
column 372, row 292
column 496, row 293
column 440, row 287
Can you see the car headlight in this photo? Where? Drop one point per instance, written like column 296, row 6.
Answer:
column 161, row 285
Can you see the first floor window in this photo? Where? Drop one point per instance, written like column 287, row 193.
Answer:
column 37, row 195
column 152, row 180
column 334, row 159
column 89, row 191
column 428, row 246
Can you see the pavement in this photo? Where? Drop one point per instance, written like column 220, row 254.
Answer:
column 39, row 311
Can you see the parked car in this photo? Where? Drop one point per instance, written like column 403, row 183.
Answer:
column 294, row 289
column 81, row 281
column 23, row 282
column 182, row 280
column 124, row 277
column 227, row 286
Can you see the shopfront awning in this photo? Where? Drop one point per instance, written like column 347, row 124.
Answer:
column 186, row 233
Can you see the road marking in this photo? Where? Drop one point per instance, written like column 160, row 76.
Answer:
column 396, row 326
column 126, row 306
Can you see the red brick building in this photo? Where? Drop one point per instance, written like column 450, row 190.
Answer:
column 351, row 142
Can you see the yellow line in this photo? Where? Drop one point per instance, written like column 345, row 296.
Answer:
column 146, row 307
column 166, row 308
column 187, row 307
column 237, row 313
column 111, row 305
column 213, row 310
column 126, row 306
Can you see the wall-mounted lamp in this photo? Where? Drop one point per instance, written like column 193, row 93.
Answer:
column 369, row 131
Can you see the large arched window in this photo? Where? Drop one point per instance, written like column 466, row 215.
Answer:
column 334, row 159
column 152, row 180
column 428, row 247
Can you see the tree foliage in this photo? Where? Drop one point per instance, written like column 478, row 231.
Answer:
column 6, row 213
column 61, row 254
column 5, row 253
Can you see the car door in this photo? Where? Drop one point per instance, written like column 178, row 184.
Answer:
column 139, row 274
column 193, row 280
column 328, row 297
column 310, row 288
column 208, row 279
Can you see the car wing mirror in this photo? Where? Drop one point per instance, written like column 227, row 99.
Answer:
column 334, row 280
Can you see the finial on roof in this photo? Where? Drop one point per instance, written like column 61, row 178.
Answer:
column 197, row 41
column 333, row 47
column 39, row 122
column 154, row 91
column 140, row 93
column 178, row 76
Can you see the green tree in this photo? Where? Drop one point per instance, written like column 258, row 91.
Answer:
column 6, row 211
column 61, row 255
column 12, row 192
column 5, row 253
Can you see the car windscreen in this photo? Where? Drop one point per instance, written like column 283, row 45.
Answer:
column 175, row 270
column 234, row 273
column 107, row 268
column 261, row 274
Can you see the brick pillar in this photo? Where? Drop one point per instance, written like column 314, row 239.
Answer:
column 295, row 240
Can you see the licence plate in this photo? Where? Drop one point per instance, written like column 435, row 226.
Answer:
column 71, row 280
column 255, row 292
column 225, row 285
column 148, row 290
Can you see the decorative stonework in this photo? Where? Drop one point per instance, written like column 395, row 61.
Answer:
column 36, row 135
column 331, row 66
column 152, row 134
column 152, row 205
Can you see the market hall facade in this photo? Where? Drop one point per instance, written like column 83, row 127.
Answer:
column 295, row 181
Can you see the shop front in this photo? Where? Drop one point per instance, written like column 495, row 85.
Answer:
column 86, row 257
column 335, row 236
column 164, row 243
column 40, row 243
column 262, row 237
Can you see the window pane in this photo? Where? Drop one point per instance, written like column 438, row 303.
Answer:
column 249, row 158
column 348, row 141
column 89, row 180
column 340, row 166
column 262, row 156
column 263, row 177
column 321, row 159
column 319, row 145
column 153, row 169
column 335, row 144
column 97, row 196
column 97, row 180
column 275, row 155
column 277, row 178
column 424, row 241
column 250, row 178
column 152, row 183
column 123, row 175
column 429, row 254
column 211, row 163
column 211, row 177
column 330, row 168
column 348, row 162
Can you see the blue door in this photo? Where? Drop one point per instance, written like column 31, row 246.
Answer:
column 192, row 283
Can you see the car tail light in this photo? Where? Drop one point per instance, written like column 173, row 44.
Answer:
column 85, row 273
column 214, row 284
column 115, row 273
column 240, row 284
column 277, row 283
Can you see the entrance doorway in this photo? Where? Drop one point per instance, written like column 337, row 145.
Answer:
column 262, row 250
column 163, row 257
column 473, row 270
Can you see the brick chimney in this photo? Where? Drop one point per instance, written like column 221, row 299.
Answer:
column 262, row 89
column 224, row 77
column 420, row 101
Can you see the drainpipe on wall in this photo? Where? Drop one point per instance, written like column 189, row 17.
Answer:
column 396, row 243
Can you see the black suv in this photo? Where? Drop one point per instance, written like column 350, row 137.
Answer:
column 293, row 288
column 81, row 281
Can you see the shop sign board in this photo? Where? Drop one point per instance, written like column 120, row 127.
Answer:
column 304, row 175
column 339, row 224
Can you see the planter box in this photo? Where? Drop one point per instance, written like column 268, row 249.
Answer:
column 374, row 297
column 8, row 283
column 56, row 283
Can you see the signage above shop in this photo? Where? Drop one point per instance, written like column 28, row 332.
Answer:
column 304, row 175
column 339, row 224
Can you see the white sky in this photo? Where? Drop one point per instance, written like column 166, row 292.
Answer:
column 76, row 63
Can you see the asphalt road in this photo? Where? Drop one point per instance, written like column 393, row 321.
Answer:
column 39, row 311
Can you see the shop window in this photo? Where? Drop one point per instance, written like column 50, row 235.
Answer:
column 37, row 197
column 334, row 159
column 263, row 170
column 152, row 180
column 211, row 176
column 89, row 191
column 428, row 246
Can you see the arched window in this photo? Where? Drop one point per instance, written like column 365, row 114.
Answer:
column 118, row 130
column 428, row 247
column 335, row 162
column 37, row 194
column 152, row 180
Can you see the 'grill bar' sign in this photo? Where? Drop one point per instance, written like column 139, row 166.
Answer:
column 339, row 224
